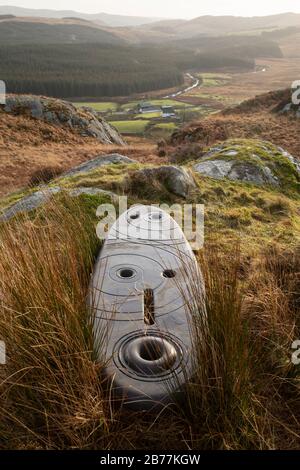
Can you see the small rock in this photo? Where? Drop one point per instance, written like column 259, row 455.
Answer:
column 215, row 168
column 231, row 153
column 177, row 180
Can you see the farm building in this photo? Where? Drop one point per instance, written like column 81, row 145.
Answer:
column 144, row 108
column 168, row 111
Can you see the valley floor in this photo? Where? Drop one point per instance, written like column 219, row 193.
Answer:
column 215, row 91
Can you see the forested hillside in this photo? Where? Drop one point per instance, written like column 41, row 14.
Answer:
column 73, row 58
column 235, row 45
column 21, row 32
column 73, row 70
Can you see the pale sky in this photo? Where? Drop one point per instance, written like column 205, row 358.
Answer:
column 166, row 8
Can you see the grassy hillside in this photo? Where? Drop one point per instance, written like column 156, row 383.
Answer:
column 33, row 150
column 254, row 118
column 244, row 393
column 248, row 391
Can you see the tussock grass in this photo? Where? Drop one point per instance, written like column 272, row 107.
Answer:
column 245, row 391
column 50, row 388
column 219, row 400
column 45, row 175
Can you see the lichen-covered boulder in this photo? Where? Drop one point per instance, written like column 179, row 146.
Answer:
column 247, row 172
column 101, row 160
column 250, row 161
column 63, row 113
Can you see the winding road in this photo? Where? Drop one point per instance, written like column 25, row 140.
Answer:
column 186, row 90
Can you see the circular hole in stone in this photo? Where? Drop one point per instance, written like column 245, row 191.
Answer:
column 126, row 273
column 169, row 273
column 151, row 350
column 135, row 216
column 155, row 216
column 150, row 355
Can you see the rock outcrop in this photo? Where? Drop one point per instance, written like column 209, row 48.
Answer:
column 98, row 162
column 38, row 198
column 63, row 113
column 250, row 161
column 176, row 180
column 247, row 172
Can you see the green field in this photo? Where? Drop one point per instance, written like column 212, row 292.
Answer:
column 131, row 127
column 102, row 107
column 170, row 126
column 147, row 123
column 162, row 130
column 213, row 79
column 169, row 102
column 148, row 115
column 160, row 102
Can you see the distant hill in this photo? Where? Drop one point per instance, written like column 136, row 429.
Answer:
column 6, row 17
column 16, row 32
column 103, row 18
column 137, row 29
column 235, row 46
column 220, row 25
column 120, row 20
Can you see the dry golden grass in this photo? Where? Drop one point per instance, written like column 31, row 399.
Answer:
column 29, row 146
column 245, row 391
column 280, row 130
column 278, row 73
column 50, row 389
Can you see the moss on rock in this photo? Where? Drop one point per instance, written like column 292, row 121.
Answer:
column 251, row 161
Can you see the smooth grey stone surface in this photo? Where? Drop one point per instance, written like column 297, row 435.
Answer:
column 147, row 363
